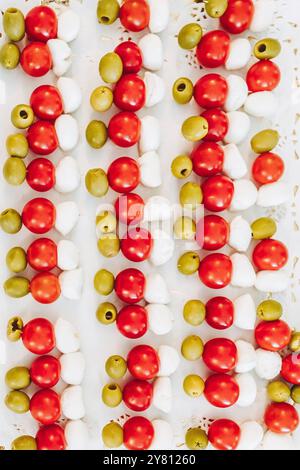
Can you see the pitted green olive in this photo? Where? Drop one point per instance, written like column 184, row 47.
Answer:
column 111, row 68
column 108, row 11
column 264, row 141
column 269, row 310
column 16, row 260
column 267, row 48
column 295, row 394
column 116, row 367
column 215, row 8
column 196, row 439
column 263, row 228
column 9, row 56
column 96, row 182
column 194, row 312
column 102, row 99
column 17, row 145
column 194, row 128
column 182, row 166
column 112, row 435
column 189, row 36
column 185, row 228
column 106, row 313
column 188, row 263
column 295, row 342
column 106, row 222
column 191, row 195
column 96, row 134
column 14, row 171
column 183, row 90
column 17, row 401
column 278, row 391
column 192, row 348
column 109, row 245
column 14, row 329
column 17, row 287
column 22, row 116
column 111, row 395
column 14, row 24
column 10, row 221
column 18, row 378
column 193, row 386
column 24, row 443
column 104, row 282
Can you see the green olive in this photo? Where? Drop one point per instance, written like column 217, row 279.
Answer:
column 215, row 8
column 109, row 245
column 116, row 367
column 194, row 128
column 193, row 386
column 18, row 378
column 108, row 11
column 106, row 222
column 106, row 313
column 14, row 171
column 14, row 329
column 112, row 435
column 182, row 166
column 278, row 391
column 267, row 48
column 111, row 395
column 189, row 36
column 295, row 394
column 264, row 141
column 196, row 439
column 17, row 401
column 14, row 24
column 295, row 342
column 22, row 116
column 24, row 443
column 17, row 287
column 9, row 56
column 194, row 312
column 102, row 99
column 111, row 67
column 183, row 90
column 263, row 228
column 269, row 310
column 188, row 263
column 104, row 282
column 10, row 221
column 17, row 145
column 185, row 228
column 192, row 348
column 96, row 134
column 96, row 182
column 191, row 195
column 16, row 260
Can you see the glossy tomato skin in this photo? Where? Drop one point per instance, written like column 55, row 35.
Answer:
column 143, row 362
column 263, row 76
column 213, row 49
column 270, row 255
column 45, row 288
column 130, row 285
column 217, row 124
column 220, row 355
column 131, row 56
column 123, row 175
column 215, row 271
column 281, row 418
column 132, row 321
column 212, row 232
column 45, row 406
column 135, row 15
column 208, row 159
column 267, row 168
column 137, row 245
column 210, row 91
column 39, row 215
column 45, row 371
column 217, row 193
column 219, row 313
column 41, row 24
column 221, row 390
column 224, row 434
column 46, row 103
column 36, row 59
column 51, row 437
column 130, row 209
column 130, row 93
column 138, row 433
column 38, row 336
column 137, row 395
column 238, row 16
column 273, row 335
column 124, row 129
column 42, row 255
column 42, row 138
column 290, row 370
column 41, row 175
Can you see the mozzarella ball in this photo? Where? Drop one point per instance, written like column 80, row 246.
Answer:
column 169, row 360
column 156, row 291
column 150, row 138
column 273, row 194
column 163, row 435
column 66, row 336
column 243, row 274
column 71, row 284
column 67, row 255
column 152, row 52
column 159, row 15
column 246, row 356
column 67, row 175
column 237, row 93
column 234, row 165
column 244, row 312
column 68, row 25
column 155, row 89
column 244, row 196
column 252, row 435
column 239, row 54
column 162, row 394
column 72, row 368
column 160, row 319
column 240, row 234
column 70, row 93
column 72, row 404
column 67, row 131
column 150, row 170
column 77, row 435
column 162, row 249
column 157, row 208
column 268, row 364
column 261, row 104
column 238, row 127
column 272, row 281
column 67, row 215
column 263, row 16
column 61, row 56
column 273, row 441
column 248, row 390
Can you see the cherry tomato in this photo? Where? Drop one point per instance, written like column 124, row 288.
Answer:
column 130, row 93
column 238, row 16
column 212, row 232
column 137, row 395
column 137, row 244
column 38, row 336
column 290, row 370
column 38, row 215
column 267, row 168
column 221, row 390
column 130, row 286
column 208, row 159
column 45, row 288
column 45, row 371
column 211, row 91
column 143, row 362
column 135, row 15
column 42, row 254
column 281, row 418
column 123, row 175
column 270, row 255
column 42, row 138
column 36, row 59
column 131, row 56
column 41, row 24
column 263, row 76
column 273, row 335
column 217, row 124
column 213, row 49
column 124, row 129
column 219, row 313
column 51, row 437
column 138, row 433
column 45, row 406
column 41, row 175
column 132, row 321
column 217, row 193
column 46, row 103
column 130, row 209
column 224, row 434
column 215, row 271
column 220, row 355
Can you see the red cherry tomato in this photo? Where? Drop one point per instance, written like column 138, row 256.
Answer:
column 39, row 215
column 208, row 159
column 267, row 168
column 51, row 437
column 238, row 16
column 221, row 390
column 281, row 418
column 123, row 175
column 41, row 175
column 143, row 362
column 41, row 24
column 270, row 255
column 38, row 336
column 138, row 433
column 215, row 271
column 213, row 49
column 273, row 335
column 132, row 321
column 224, row 434
column 45, row 406
column 42, row 138
column 45, row 288
column 217, row 124
column 36, row 59
column 217, row 193
column 212, row 232
column 131, row 56
column 45, row 371
column 130, row 93
column 135, row 15
column 137, row 244
column 124, row 129
column 211, row 91
column 137, row 395
column 42, row 254
column 46, row 103
column 263, row 76
column 290, row 370
column 219, row 313
column 130, row 286
column 130, row 209
column 220, row 355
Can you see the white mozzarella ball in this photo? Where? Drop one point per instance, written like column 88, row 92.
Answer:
column 159, row 15
column 162, row 249
column 71, row 284
column 244, row 312
column 261, row 104
column 66, row 336
column 72, row 368
column 67, row 131
column 263, row 16
column 163, row 436
column 160, row 319
column 150, row 170
column 234, row 165
column 162, row 394
column 248, row 390
column 71, row 94
column 67, row 175
column 157, row 208
column 68, row 25
column 237, row 93
column 155, row 89
column 77, row 435
column 150, row 134
column 268, row 364
column 169, row 360
column 243, row 274
column 273, row 441
column 246, row 356
column 67, row 215
column 252, row 435
column 244, row 196
column 67, row 255
column 152, row 52
column 239, row 54
column 273, row 194
column 238, row 127
column 61, row 56
column 240, row 234
column 72, row 404
column 156, row 291
column 272, row 281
